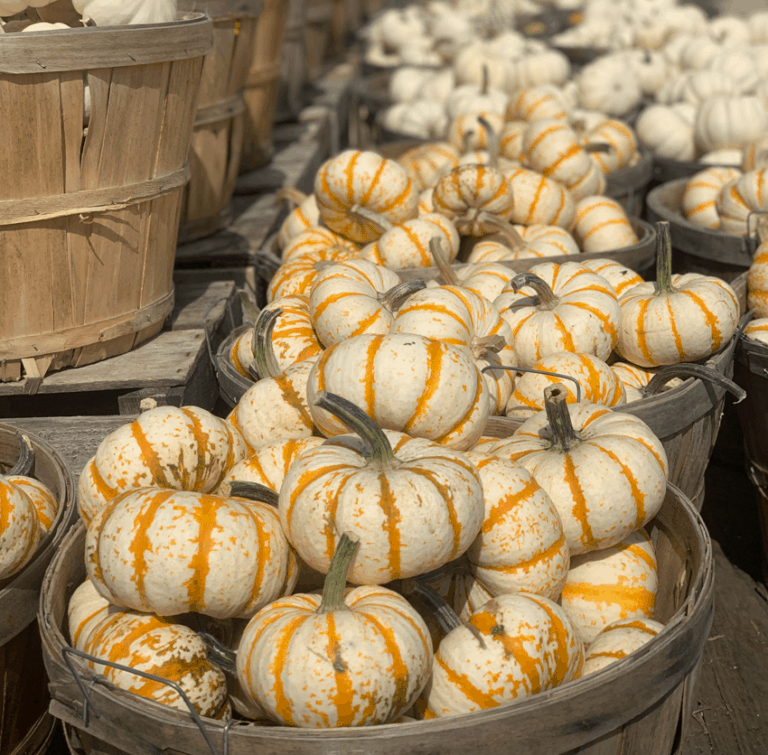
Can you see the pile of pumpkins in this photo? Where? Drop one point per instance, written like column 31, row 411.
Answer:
column 54, row 15
column 757, row 288
column 359, row 456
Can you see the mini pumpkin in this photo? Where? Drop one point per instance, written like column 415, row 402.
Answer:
column 619, row 276
column 521, row 242
column 301, row 218
column 315, row 239
column 475, row 131
column 757, row 282
column 617, row 641
column 537, row 103
column 539, row 200
column 699, row 203
column 602, row 225
column 298, row 275
column 622, row 142
column 20, row 530
column 426, row 163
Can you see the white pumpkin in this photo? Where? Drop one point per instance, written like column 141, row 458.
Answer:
column 110, row 13
column 608, row 85
column 617, row 641
column 726, row 122
column 668, row 131
column 422, row 119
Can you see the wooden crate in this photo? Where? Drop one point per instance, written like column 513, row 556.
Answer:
column 173, row 368
column 89, row 215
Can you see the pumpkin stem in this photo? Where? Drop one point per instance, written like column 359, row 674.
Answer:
column 292, row 195
column 253, row 491
column 147, row 405
column 336, row 578
column 468, row 136
column 511, row 237
column 761, row 228
column 547, row 297
column 380, row 449
column 442, row 262
column 533, row 370
column 225, row 658
column 263, row 352
column 481, row 346
column 23, row 465
column 664, row 259
column 396, row 296
column 556, row 406
column 492, row 142
column 665, row 374
column 363, row 215
column 601, row 147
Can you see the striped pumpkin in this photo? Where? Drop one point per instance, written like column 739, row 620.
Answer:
column 577, row 311
column 621, row 140
column 426, row 202
column 604, row 470
column 352, row 298
column 679, row 318
column 313, row 240
column 20, row 531
column 636, row 378
column 539, row 200
column 427, row 162
column 552, row 148
column 368, row 180
column 537, row 103
column 599, row 384
column 341, row 659
column 157, row 646
column 618, row 582
column 458, row 317
column 511, row 140
column 602, row 225
column 528, row 646
column 42, row 498
column 472, row 196
column 458, row 587
column 619, row 276
column 304, row 216
column 757, row 330
column 485, row 279
column 404, row 382
column 298, row 275
column 466, row 132
column 699, row 203
column 170, row 552
column 381, row 493
column 86, row 609
column 521, row 546
column 166, row 447
column 293, row 339
column 528, row 242
column 755, row 156
column 406, row 246
column 269, row 465
column 757, row 282
column 740, row 197
column 617, row 641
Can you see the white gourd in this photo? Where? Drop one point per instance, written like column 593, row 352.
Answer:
column 123, row 12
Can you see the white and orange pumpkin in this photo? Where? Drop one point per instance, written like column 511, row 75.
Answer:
column 617, row 641
column 602, row 225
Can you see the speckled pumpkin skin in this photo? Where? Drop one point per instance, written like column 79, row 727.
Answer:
column 20, row 530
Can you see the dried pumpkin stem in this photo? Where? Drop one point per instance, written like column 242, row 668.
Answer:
column 481, row 346
column 364, row 215
column 23, row 465
column 263, row 352
column 225, row 658
column 485, row 81
column 381, row 453
column 396, row 296
column 594, row 147
column 253, row 491
column 534, row 371
column 556, row 406
column 664, row 259
column 292, row 195
column 492, row 141
column 686, row 370
column 512, row 238
column 547, row 297
column 336, row 579
column 442, row 262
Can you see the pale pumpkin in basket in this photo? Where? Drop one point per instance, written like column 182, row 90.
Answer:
column 602, row 225
column 757, row 284
column 619, row 276
column 757, row 330
column 426, row 163
column 415, row 505
column 298, row 275
column 699, row 203
column 617, row 641
column 537, row 103
column 539, row 200
column 315, row 239
column 301, row 218
column 110, row 13
column 521, row 242
column 20, row 531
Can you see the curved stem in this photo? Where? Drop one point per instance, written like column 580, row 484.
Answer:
column 468, row 136
column 263, row 353
column 442, row 262
column 556, row 406
column 492, row 141
column 512, row 238
column 359, row 422
column 336, row 579
column 292, row 195
column 253, row 491
column 686, row 370
column 351, row 442
column 664, row 259
column 23, row 465
column 538, row 372
column 364, row 215
column 547, row 297
column 396, row 296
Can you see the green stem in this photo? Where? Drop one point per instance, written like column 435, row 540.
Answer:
column 556, row 406
column 336, row 579
column 685, row 370
column 547, row 298
column 263, row 353
column 23, row 465
column 253, row 491
column 396, row 296
column 359, row 422
column 442, row 262
column 664, row 259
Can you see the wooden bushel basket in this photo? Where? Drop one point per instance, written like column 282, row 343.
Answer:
column 25, row 725
column 639, row 705
column 262, row 84
column 217, row 137
column 89, row 216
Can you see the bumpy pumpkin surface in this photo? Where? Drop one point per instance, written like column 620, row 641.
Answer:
column 42, row 498
column 170, row 552
column 303, row 217
column 298, row 275
column 602, row 225
column 539, row 200
column 617, row 641
column 166, row 447
column 700, row 195
column 619, row 276
column 86, row 609
column 315, row 240
column 426, row 163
